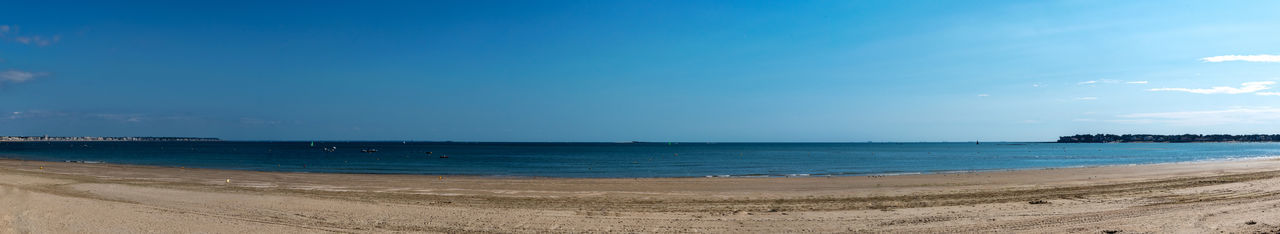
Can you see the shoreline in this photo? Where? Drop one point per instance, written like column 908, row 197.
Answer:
column 796, row 175
column 39, row 196
column 877, row 185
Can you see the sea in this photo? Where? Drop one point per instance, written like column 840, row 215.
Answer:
column 630, row 160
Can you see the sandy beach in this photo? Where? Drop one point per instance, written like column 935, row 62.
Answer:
column 1202, row 197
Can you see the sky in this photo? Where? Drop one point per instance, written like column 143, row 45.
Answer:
column 603, row 71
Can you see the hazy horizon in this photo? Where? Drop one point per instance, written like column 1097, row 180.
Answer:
column 666, row 71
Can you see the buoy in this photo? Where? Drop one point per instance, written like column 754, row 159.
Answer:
column 228, row 180
column 442, row 178
column 41, row 168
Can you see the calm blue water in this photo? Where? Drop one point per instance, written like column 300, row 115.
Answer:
column 629, row 159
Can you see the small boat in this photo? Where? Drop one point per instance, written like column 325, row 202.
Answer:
column 428, row 152
column 330, row 149
column 369, row 150
column 444, row 156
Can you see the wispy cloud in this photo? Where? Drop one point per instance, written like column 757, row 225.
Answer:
column 257, row 121
column 39, row 40
column 1262, row 58
column 120, row 117
column 984, row 95
column 1086, row 98
column 16, row 76
column 134, row 118
column 1108, row 81
column 1233, row 115
column 1246, row 87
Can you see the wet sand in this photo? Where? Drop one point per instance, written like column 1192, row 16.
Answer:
column 57, row 197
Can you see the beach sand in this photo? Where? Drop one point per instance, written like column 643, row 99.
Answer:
column 1202, row 197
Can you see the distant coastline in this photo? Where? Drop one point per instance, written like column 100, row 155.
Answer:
column 87, row 138
column 1150, row 138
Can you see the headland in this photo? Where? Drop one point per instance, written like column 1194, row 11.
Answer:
column 92, row 138
column 1184, row 138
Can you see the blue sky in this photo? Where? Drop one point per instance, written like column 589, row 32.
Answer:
column 639, row 70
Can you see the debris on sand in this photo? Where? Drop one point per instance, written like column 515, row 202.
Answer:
column 1111, row 231
column 1250, row 222
column 1038, row 202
